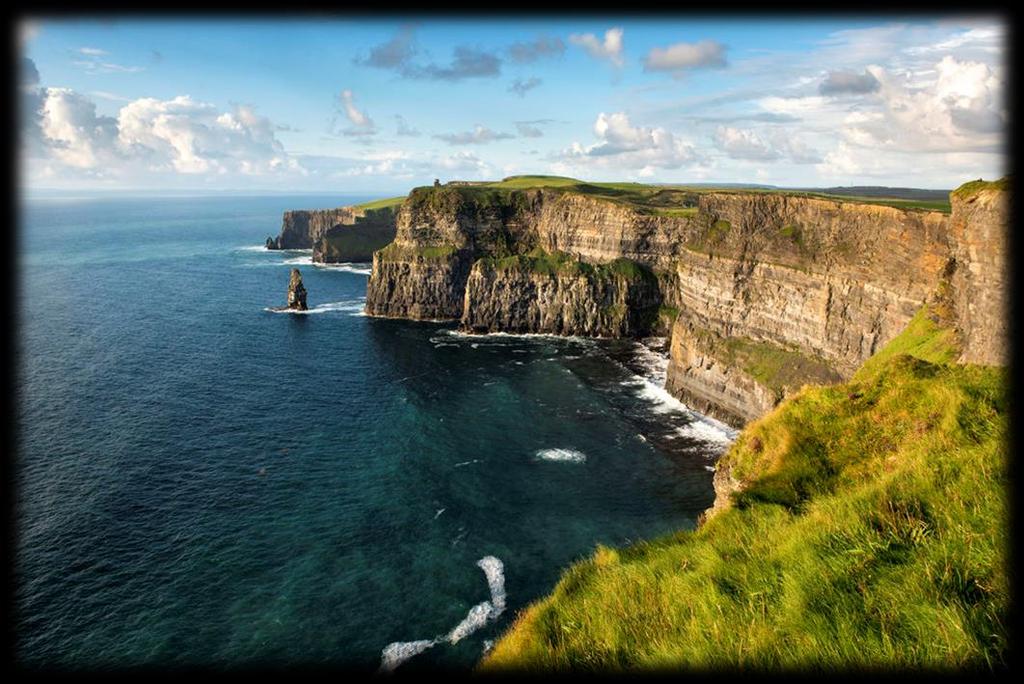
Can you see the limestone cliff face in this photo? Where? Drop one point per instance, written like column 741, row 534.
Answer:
column 408, row 282
column 711, row 386
column 357, row 239
column 300, row 229
column 832, row 280
column 980, row 283
column 564, row 301
column 441, row 233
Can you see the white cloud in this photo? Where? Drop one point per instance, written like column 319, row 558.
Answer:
column 92, row 52
column 610, row 48
column 76, row 135
column 743, row 144
column 740, row 143
column 361, row 123
column 679, row 57
column 480, row 135
column 193, row 137
column 623, row 145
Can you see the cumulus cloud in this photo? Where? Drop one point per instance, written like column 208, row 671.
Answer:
column 77, row 136
column 194, row 137
column 849, row 83
column 523, row 53
column 624, row 146
column 740, row 143
column 361, row 123
column 680, row 57
column 960, row 110
column 609, row 49
column 746, row 144
column 521, row 87
column 397, row 55
column 65, row 135
column 478, row 136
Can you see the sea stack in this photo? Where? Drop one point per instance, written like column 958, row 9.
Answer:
column 271, row 243
column 296, row 292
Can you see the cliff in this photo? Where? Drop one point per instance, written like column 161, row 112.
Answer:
column 980, row 281
column 823, row 279
column 346, row 234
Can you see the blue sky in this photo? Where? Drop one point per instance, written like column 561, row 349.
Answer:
column 382, row 105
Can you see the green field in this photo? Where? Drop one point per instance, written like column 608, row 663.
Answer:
column 676, row 200
column 872, row 532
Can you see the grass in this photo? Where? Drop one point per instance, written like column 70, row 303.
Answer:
column 387, row 203
column 561, row 263
column 871, row 533
column 781, row 370
column 397, row 252
column 678, row 201
column 970, row 188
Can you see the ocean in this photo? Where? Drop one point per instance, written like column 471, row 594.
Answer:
column 203, row 482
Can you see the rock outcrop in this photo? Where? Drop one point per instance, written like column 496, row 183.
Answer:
column 296, row 292
column 828, row 281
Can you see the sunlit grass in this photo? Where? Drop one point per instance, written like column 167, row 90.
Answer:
column 871, row 532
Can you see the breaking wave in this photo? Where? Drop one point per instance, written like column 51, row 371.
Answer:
column 396, row 653
column 567, row 455
column 353, row 307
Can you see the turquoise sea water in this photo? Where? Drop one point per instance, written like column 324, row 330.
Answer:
column 201, row 481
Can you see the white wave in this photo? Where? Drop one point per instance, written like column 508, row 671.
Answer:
column 477, row 617
column 465, row 463
column 354, row 267
column 568, row 455
column 494, row 570
column 454, row 332
column 396, row 653
column 252, row 248
column 488, row 645
column 439, row 512
column 709, row 430
column 299, row 261
column 352, row 307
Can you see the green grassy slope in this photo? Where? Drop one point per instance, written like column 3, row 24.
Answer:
column 872, row 532
column 679, row 200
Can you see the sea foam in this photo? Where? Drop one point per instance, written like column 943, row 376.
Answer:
column 567, row 455
column 396, row 653
column 353, row 307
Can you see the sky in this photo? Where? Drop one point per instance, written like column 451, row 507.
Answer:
column 380, row 106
